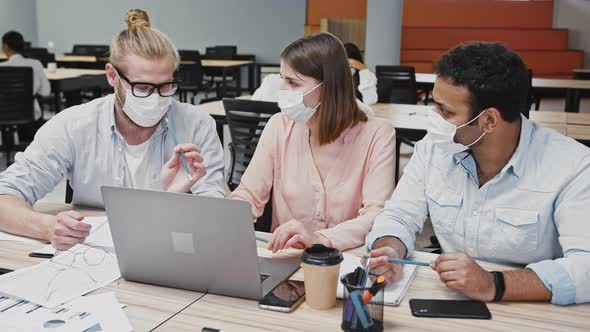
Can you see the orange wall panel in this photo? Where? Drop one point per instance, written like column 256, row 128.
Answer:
column 420, row 67
column 547, row 62
column 318, row 9
column 478, row 13
column 518, row 39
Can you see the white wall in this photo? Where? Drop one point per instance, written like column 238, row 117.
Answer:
column 19, row 15
column 260, row 27
column 575, row 16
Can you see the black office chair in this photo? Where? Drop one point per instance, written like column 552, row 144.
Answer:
column 540, row 93
column 251, row 73
column 41, row 54
column 215, row 75
column 191, row 76
column 16, row 106
column 396, row 84
column 530, row 96
column 263, row 69
column 246, row 120
column 581, row 75
column 221, row 52
column 99, row 51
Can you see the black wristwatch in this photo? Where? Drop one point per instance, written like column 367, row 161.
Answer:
column 500, row 285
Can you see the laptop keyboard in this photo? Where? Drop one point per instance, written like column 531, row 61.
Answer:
column 263, row 276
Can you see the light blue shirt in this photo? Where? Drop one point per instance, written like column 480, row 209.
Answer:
column 83, row 144
column 535, row 212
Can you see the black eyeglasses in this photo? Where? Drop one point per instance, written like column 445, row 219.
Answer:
column 144, row 89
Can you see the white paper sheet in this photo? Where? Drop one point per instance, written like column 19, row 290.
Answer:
column 65, row 277
column 285, row 253
column 100, row 236
column 100, row 312
column 394, row 293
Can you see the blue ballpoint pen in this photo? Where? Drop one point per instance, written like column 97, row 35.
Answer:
column 261, row 240
column 182, row 159
column 403, row 261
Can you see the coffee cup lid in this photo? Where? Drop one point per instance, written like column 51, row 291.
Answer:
column 319, row 254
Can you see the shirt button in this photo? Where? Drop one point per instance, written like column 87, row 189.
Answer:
column 475, row 213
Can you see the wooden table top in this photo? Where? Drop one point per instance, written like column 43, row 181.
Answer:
column 166, row 309
column 414, row 117
column 403, row 116
column 220, row 63
column 77, row 58
column 554, row 83
column 231, row 314
column 66, row 73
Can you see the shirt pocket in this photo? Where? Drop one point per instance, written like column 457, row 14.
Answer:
column 443, row 207
column 515, row 231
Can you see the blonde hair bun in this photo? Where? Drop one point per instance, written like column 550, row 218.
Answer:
column 137, row 18
column 142, row 40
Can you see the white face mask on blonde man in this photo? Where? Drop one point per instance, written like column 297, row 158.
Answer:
column 134, row 134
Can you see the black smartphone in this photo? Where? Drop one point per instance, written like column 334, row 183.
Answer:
column 285, row 297
column 449, row 309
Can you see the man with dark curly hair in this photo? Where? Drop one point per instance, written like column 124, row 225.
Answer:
column 495, row 186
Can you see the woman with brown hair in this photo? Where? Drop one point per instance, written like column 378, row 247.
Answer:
column 329, row 167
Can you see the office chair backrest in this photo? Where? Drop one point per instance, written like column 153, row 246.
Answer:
column 221, row 52
column 581, row 75
column 41, row 54
column 246, row 120
column 16, row 95
column 190, row 73
column 99, row 51
column 396, row 84
column 530, row 96
column 264, row 69
column 189, row 55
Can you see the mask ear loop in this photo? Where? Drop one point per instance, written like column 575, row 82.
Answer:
column 472, row 120
column 477, row 140
column 481, row 136
column 315, row 87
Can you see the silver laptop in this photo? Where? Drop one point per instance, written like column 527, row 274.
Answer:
column 191, row 242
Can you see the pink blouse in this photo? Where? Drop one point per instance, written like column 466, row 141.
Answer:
column 344, row 205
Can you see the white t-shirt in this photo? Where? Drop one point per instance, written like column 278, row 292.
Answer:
column 136, row 158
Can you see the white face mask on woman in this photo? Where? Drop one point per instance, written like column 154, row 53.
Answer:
column 442, row 133
column 291, row 103
column 145, row 112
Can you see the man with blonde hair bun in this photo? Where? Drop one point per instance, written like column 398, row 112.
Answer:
column 129, row 139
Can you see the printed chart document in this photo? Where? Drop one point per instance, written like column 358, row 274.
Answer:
column 394, row 293
column 68, row 275
column 95, row 313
